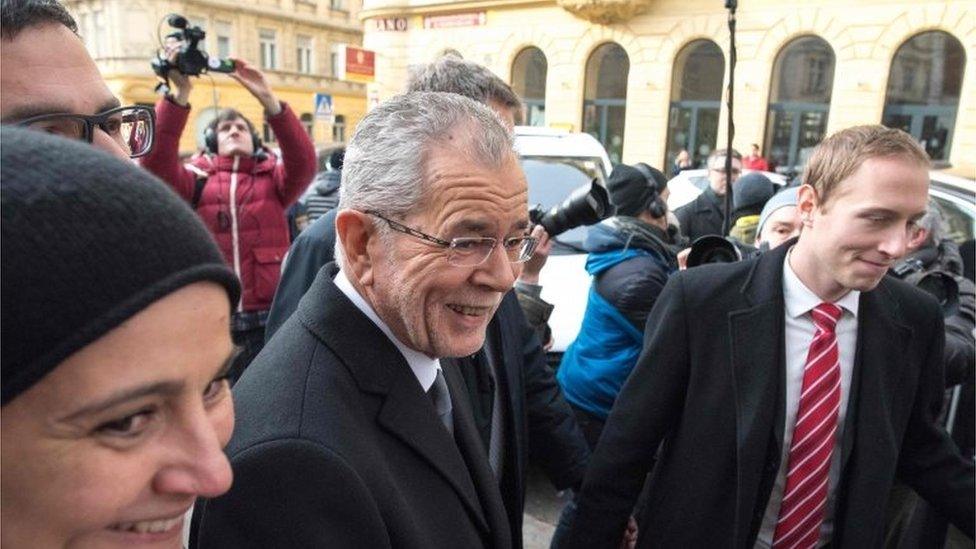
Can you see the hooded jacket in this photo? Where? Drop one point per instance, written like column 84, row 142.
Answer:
column 630, row 262
column 244, row 199
column 323, row 195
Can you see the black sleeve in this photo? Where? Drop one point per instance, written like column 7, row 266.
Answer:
column 632, row 287
column 929, row 461
column 313, row 248
column 291, row 493
column 960, row 351
column 648, row 406
column 556, row 443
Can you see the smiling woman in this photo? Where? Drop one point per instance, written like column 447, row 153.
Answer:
column 116, row 345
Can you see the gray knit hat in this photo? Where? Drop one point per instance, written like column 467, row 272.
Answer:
column 786, row 197
column 88, row 241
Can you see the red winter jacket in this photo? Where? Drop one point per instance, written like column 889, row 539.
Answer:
column 244, row 200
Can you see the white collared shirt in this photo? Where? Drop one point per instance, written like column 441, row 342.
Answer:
column 799, row 301
column 424, row 367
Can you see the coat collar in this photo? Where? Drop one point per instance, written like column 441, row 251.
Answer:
column 378, row 368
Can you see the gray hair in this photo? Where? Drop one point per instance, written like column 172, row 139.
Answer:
column 452, row 74
column 934, row 223
column 386, row 160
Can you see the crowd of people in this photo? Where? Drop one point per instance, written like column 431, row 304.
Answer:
column 390, row 384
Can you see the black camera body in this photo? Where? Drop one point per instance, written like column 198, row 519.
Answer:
column 190, row 60
column 940, row 284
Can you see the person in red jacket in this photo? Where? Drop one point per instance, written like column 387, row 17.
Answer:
column 755, row 161
column 240, row 189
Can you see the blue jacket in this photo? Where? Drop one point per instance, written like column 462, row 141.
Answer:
column 628, row 276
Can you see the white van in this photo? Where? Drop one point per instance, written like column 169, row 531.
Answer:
column 556, row 163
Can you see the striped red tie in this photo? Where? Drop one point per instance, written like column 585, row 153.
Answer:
column 805, row 497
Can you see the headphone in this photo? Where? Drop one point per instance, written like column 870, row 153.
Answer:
column 657, row 183
column 210, row 138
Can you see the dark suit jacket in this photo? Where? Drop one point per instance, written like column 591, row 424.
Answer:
column 710, row 385
column 337, row 445
column 702, row 216
column 540, row 425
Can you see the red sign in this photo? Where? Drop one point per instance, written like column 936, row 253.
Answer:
column 473, row 19
column 360, row 64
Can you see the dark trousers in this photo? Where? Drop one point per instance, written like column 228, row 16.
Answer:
column 247, row 331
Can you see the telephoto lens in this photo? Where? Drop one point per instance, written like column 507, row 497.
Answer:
column 586, row 205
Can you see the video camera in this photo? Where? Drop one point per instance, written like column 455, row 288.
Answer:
column 940, row 284
column 190, row 59
column 586, row 205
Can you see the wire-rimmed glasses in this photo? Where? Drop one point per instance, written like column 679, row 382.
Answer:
column 470, row 251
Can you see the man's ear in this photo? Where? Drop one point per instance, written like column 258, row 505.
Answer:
column 354, row 229
column 807, row 202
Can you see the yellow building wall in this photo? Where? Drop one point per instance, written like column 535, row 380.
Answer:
column 863, row 35
column 126, row 40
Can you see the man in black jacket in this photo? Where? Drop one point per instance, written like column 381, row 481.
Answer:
column 361, row 459
column 782, row 396
column 704, row 215
column 538, row 425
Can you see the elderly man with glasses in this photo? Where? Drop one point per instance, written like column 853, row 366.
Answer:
column 355, row 428
column 50, row 83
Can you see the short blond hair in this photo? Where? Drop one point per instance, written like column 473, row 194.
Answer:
column 841, row 154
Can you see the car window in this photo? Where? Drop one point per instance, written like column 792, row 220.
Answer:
column 551, row 179
column 960, row 223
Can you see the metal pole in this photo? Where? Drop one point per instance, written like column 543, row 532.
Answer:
column 730, row 5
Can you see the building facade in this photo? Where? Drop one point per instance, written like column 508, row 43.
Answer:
column 648, row 77
column 295, row 42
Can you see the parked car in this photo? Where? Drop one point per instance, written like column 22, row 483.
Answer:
column 555, row 164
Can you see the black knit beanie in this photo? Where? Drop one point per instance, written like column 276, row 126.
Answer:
column 86, row 242
column 632, row 189
column 750, row 192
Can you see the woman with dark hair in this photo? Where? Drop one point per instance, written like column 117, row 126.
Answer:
column 116, row 346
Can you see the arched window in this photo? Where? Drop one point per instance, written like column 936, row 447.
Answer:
column 339, row 129
column 696, row 95
column 799, row 101
column 924, row 85
column 529, row 81
column 605, row 97
column 308, row 122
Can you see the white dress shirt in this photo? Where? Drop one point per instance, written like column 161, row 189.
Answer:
column 799, row 301
column 424, row 367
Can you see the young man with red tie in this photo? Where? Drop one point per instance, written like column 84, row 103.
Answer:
column 783, row 396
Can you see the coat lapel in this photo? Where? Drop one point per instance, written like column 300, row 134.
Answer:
column 379, row 368
column 476, row 456
column 758, row 354
column 882, row 343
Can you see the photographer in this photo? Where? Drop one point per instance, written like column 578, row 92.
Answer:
column 933, row 252
column 240, row 189
column 910, row 519
column 631, row 257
